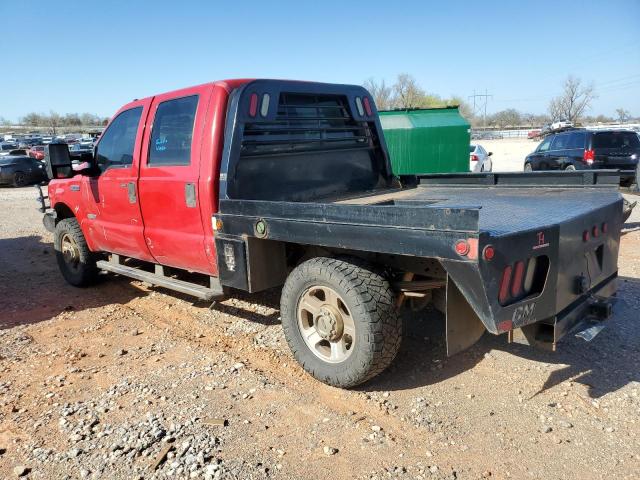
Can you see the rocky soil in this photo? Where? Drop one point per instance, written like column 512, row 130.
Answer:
column 124, row 381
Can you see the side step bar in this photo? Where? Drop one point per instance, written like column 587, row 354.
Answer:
column 158, row 278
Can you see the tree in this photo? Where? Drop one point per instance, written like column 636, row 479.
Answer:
column 574, row 100
column 53, row 121
column 380, row 92
column 506, row 118
column 407, row 93
column 32, row 119
column 623, row 115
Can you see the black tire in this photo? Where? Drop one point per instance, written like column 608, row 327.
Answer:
column 528, row 167
column 19, row 179
column 371, row 304
column 78, row 267
column 626, row 183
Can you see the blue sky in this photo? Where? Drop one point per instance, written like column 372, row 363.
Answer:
column 77, row 56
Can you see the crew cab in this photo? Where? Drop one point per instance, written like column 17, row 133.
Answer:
column 258, row 184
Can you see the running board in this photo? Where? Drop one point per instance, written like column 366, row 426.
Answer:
column 158, row 278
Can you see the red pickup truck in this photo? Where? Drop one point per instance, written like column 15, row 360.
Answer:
column 256, row 184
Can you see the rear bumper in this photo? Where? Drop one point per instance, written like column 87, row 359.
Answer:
column 592, row 308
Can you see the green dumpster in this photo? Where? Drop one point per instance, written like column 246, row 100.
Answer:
column 426, row 140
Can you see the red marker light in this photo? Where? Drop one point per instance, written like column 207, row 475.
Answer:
column 604, row 227
column 462, row 247
column 253, row 104
column 595, row 232
column 585, row 236
column 489, row 252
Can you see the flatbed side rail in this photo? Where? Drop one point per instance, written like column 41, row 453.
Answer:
column 422, row 217
column 578, row 179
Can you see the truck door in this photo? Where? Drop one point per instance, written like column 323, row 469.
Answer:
column 113, row 217
column 169, row 176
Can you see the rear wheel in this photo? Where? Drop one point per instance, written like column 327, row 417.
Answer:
column 19, row 179
column 77, row 263
column 340, row 321
column 570, row 168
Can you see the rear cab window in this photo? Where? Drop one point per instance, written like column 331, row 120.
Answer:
column 173, row 132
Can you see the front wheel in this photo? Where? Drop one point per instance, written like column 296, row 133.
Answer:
column 340, row 321
column 77, row 263
column 527, row 167
column 19, row 179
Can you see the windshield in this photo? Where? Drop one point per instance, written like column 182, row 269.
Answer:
column 616, row 140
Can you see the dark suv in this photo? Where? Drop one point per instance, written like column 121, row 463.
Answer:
column 582, row 149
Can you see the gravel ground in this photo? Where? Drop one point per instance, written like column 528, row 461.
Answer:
column 124, row 381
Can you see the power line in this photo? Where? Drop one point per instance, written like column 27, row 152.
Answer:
column 485, row 96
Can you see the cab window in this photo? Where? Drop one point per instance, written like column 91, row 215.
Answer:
column 172, row 132
column 117, row 143
column 544, row 146
column 560, row 142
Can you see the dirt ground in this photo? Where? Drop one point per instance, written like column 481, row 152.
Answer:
column 124, row 381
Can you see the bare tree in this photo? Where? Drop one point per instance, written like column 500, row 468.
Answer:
column 32, row 119
column 380, row 92
column 573, row 101
column 54, row 120
column 623, row 115
column 407, row 93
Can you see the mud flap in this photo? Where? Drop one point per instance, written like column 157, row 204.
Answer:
column 464, row 327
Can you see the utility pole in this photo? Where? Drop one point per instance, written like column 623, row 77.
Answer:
column 485, row 97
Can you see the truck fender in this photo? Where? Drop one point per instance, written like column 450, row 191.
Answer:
column 464, row 328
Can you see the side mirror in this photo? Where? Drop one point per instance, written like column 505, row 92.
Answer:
column 58, row 161
column 489, row 154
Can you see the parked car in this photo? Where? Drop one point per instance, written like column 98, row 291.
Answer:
column 232, row 187
column 561, row 124
column 21, row 170
column 7, row 147
column 533, row 134
column 479, row 159
column 37, row 152
column 583, row 149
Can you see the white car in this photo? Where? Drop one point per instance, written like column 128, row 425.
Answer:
column 479, row 159
column 561, row 124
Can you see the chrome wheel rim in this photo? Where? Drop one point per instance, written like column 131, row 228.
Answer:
column 326, row 324
column 70, row 251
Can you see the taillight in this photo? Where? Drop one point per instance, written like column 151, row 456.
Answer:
column 474, row 158
column 367, row 105
column 253, row 104
column 518, row 275
column 503, row 295
column 489, row 252
column 589, row 156
column 523, row 278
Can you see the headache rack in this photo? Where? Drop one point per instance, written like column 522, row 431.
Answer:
column 306, row 123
